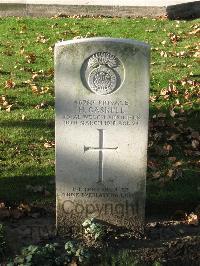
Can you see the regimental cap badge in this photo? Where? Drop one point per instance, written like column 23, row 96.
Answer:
column 102, row 73
column 103, row 58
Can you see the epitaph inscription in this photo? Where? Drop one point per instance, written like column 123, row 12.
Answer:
column 101, row 132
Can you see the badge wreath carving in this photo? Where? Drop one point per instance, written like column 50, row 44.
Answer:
column 102, row 73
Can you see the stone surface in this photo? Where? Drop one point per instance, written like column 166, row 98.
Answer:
column 128, row 8
column 102, row 2
column 101, row 131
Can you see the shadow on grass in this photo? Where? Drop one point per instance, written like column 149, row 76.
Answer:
column 35, row 123
column 178, row 192
column 14, row 190
column 181, row 194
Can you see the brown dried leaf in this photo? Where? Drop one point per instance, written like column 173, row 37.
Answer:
column 170, row 173
column 167, row 147
column 163, row 42
column 177, row 102
column 35, row 75
column 161, row 115
column 195, row 143
column 196, row 31
column 34, row 89
column 152, row 99
column 44, row 90
column 41, row 39
column 152, row 164
column 163, row 92
column 172, row 113
column 30, row 58
column 192, row 219
column 2, row 205
column 9, row 84
column 25, row 207
column 4, row 104
column 174, row 38
column 172, row 159
column 197, row 54
column 163, row 54
column 178, row 163
column 172, row 89
column 8, row 108
column 40, row 106
column 174, row 136
column 49, row 144
column 156, row 175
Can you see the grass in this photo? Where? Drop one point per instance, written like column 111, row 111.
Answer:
column 27, row 103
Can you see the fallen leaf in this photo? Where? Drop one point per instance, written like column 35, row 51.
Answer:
column 197, row 54
column 9, row 84
column 163, row 54
column 178, row 163
column 25, row 207
column 41, row 39
column 152, row 99
column 49, row 144
column 192, row 219
column 161, row 115
column 30, row 58
column 163, row 92
column 152, row 164
column 195, row 143
column 167, row 147
column 172, row 159
column 174, row 38
column 40, row 106
column 156, row 175
column 172, row 113
column 170, row 172
column 35, row 75
column 34, row 89
column 8, row 108
column 174, row 136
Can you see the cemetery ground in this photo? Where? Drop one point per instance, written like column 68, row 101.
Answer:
column 27, row 187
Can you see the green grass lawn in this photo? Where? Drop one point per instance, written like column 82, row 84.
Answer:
column 27, row 105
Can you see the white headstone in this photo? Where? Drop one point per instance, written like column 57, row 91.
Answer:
column 102, row 94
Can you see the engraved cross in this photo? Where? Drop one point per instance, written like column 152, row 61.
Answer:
column 100, row 149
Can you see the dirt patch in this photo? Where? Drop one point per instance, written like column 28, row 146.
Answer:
column 170, row 242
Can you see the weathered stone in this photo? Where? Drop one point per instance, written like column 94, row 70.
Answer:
column 101, row 131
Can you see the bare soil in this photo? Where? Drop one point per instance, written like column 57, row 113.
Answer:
column 171, row 242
